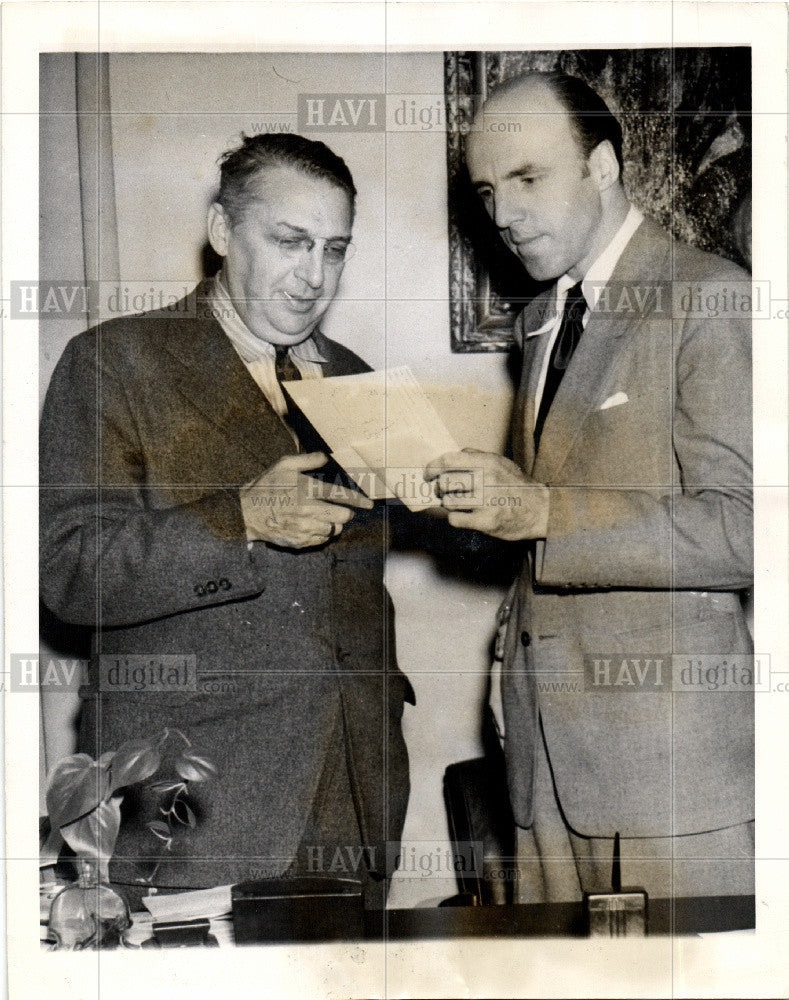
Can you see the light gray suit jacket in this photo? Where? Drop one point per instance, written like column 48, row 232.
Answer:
column 647, row 453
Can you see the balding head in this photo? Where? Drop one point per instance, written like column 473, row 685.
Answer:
column 521, row 95
column 589, row 115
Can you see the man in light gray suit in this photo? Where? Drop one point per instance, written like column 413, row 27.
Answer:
column 177, row 520
column 632, row 487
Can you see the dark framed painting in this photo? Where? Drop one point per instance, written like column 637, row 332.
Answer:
column 686, row 117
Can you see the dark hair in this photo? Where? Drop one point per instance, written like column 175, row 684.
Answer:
column 591, row 118
column 239, row 168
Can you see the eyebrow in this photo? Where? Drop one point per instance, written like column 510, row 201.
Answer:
column 527, row 168
column 300, row 231
column 522, row 171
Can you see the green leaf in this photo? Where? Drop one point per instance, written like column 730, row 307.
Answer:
column 94, row 835
column 167, row 785
column 194, row 766
column 159, row 829
column 134, row 761
column 181, row 812
column 76, row 786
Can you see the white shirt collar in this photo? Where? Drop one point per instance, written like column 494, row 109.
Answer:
column 249, row 347
column 599, row 273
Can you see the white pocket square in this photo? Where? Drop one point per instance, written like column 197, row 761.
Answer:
column 616, row 400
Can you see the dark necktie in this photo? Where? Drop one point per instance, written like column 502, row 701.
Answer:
column 309, row 439
column 286, row 371
column 284, row 367
column 566, row 341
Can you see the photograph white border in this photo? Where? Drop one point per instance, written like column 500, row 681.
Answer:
column 734, row 964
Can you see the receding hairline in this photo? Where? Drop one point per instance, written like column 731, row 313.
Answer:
column 253, row 187
column 513, row 95
column 519, row 89
column 244, row 169
column 284, row 166
column 571, row 112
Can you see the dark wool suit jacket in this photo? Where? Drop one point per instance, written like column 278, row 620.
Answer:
column 151, row 424
column 647, row 453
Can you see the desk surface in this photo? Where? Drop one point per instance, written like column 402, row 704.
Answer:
column 665, row 916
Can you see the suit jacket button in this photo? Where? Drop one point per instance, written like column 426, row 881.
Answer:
column 525, row 639
column 200, row 590
column 211, row 587
column 225, row 584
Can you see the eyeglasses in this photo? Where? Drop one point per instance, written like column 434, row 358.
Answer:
column 335, row 252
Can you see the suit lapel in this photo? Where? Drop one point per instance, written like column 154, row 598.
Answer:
column 599, row 352
column 590, row 370
column 536, row 315
column 216, row 382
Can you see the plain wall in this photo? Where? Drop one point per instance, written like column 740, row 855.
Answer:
column 172, row 117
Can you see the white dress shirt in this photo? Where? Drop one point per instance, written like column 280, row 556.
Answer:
column 258, row 355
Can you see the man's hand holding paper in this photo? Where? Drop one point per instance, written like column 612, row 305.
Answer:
column 489, row 493
column 286, row 508
column 382, row 429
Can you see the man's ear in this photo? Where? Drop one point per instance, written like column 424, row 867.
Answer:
column 603, row 165
column 218, row 228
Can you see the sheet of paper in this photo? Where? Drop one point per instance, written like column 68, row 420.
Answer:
column 368, row 481
column 189, row 905
column 385, row 421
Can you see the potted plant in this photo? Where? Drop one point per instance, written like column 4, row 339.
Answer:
column 84, row 803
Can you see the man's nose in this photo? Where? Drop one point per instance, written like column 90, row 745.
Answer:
column 506, row 209
column 310, row 267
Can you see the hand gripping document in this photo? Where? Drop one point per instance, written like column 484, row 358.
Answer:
column 381, row 428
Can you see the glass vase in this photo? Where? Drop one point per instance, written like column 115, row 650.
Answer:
column 89, row 913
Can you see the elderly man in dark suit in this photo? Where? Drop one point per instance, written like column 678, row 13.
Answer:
column 177, row 518
column 632, row 490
